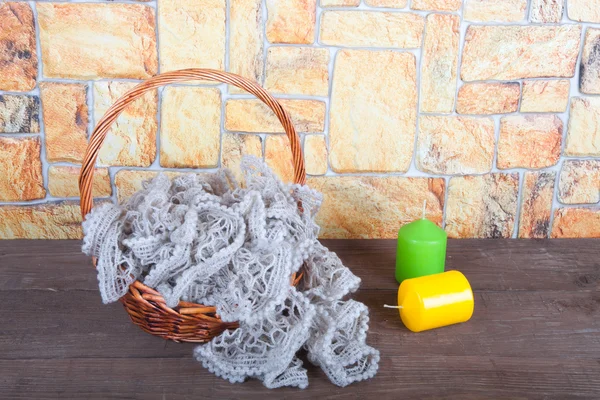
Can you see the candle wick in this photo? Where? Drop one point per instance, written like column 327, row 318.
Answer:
column 388, row 306
column 424, row 205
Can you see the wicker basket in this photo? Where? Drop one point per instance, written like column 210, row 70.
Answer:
column 188, row 322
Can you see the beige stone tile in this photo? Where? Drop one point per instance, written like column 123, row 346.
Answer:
column 63, row 181
column 360, row 207
column 488, row 98
column 297, row 70
column 339, row 3
column 19, row 114
column 131, row 140
column 576, row 223
column 43, row 221
column 482, row 206
column 21, row 177
column 236, row 146
column 315, row 154
column 590, row 63
column 246, row 40
column 584, row 10
column 545, row 95
column 191, row 34
column 546, row 11
column 529, row 141
column 495, row 10
column 583, row 135
column 18, row 55
column 96, row 40
column 439, row 63
column 278, row 156
column 536, row 205
column 129, row 181
column 371, row 29
column 455, row 145
column 436, row 5
column 291, row 21
column 252, row 115
column 515, row 52
column 387, row 3
column 373, row 111
column 579, row 182
column 190, row 129
column 65, row 114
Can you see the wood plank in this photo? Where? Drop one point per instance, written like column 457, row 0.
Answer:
column 558, row 264
column 525, row 324
column 519, row 324
column 45, row 264
column 74, row 324
column 498, row 264
column 402, row 377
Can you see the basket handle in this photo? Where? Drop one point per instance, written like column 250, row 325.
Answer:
column 99, row 133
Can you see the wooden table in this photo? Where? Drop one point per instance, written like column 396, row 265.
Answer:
column 535, row 332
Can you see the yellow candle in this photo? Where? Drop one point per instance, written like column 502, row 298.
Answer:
column 434, row 301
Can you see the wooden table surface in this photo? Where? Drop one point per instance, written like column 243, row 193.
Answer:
column 535, row 332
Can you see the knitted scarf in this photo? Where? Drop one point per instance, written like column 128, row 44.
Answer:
column 202, row 238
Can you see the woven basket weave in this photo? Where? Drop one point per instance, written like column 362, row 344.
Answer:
column 188, row 322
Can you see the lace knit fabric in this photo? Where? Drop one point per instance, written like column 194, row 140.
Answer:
column 205, row 239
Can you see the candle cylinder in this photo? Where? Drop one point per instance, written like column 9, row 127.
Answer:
column 421, row 250
column 434, row 301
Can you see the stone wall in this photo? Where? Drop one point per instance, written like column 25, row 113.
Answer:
column 488, row 110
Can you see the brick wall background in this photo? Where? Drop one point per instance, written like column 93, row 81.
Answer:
column 487, row 109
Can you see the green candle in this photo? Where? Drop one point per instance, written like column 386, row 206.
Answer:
column 421, row 250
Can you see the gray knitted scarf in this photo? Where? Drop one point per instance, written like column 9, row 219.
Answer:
column 202, row 238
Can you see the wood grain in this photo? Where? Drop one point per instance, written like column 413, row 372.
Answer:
column 502, row 264
column 400, row 377
column 535, row 332
column 521, row 324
